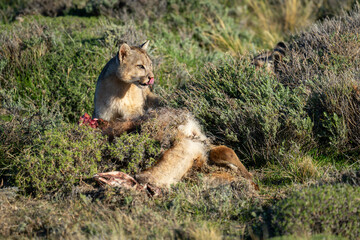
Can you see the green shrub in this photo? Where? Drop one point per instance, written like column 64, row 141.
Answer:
column 132, row 153
column 330, row 209
column 325, row 60
column 55, row 160
column 17, row 131
column 247, row 110
column 46, row 65
column 58, row 159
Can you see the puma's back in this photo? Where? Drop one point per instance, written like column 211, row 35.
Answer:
column 123, row 85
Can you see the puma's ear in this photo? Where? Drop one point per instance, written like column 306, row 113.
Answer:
column 124, row 52
column 145, row 45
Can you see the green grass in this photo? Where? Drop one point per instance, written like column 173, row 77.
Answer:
column 325, row 209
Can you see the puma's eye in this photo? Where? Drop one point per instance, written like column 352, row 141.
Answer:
column 141, row 66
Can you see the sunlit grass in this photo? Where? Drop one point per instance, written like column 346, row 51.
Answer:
column 273, row 20
column 225, row 38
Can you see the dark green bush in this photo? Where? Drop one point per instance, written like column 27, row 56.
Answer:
column 55, row 160
column 58, row 159
column 132, row 153
column 330, row 209
column 17, row 131
column 45, row 66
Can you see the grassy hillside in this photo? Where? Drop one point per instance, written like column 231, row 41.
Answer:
column 296, row 130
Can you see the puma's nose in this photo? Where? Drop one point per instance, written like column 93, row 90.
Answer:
column 151, row 75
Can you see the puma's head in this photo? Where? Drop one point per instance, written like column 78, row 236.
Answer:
column 135, row 65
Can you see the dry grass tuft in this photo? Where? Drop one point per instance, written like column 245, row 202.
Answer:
column 205, row 233
column 301, row 169
column 274, row 19
column 222, row 37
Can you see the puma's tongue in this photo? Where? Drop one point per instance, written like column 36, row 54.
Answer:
column 151, row 81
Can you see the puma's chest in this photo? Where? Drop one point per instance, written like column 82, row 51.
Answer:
column 131, row 104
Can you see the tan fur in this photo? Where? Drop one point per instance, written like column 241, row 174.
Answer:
column 174, row 164
column 189, row 147
column 121, row 90
column 221, row 177
column 224, row 156
column 122, row 100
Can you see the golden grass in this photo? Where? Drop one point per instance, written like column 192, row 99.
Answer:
column 223, row 38
column 269, row 21
column 272, row 20
column 301, row 169
column 205, row 233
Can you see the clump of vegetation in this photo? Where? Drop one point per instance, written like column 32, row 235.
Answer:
column 331, row 209
column 248, row 110
column 18, row 131
column 132, row 153
column 312, row 102
column 38, row 60
column 324, row 60
column 54, row 161
column 293, row 167
column 59, row 159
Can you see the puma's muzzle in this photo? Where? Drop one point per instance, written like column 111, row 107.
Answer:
column 150, row 81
